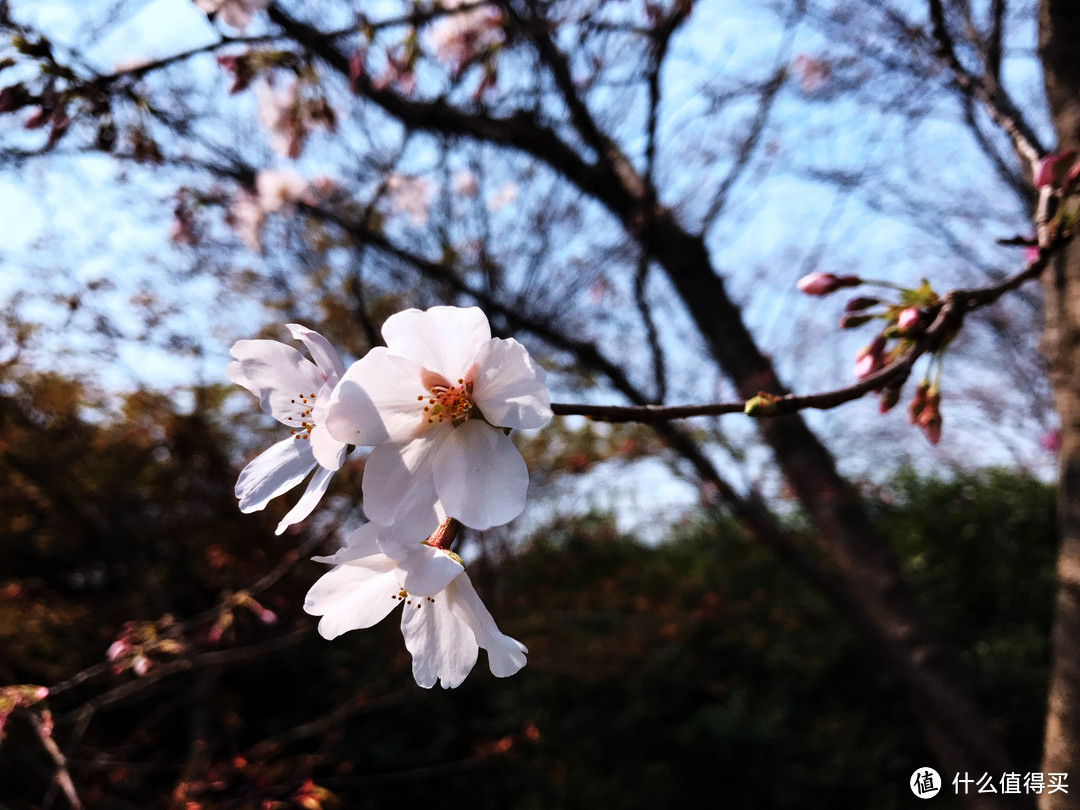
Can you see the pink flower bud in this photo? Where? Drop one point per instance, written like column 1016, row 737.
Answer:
column 1053, row 169
column 1031, row 254
column 909, row 319
column 117, row 649
column 870, row 358
column 929, row 420
column 918, row 402
column 41, row 692
column 825, row 283
column 1051, row 441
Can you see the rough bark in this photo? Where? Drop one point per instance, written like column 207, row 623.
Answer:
column 1059, row 47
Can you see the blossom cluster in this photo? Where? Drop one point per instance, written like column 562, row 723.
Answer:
column 903, row 321
column 435, row 404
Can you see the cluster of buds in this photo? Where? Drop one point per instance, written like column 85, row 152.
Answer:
column 140, row 645
column 905, row 320
column 226, row 616
column 21, row 697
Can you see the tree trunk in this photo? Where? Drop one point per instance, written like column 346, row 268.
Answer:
column 1059, row 47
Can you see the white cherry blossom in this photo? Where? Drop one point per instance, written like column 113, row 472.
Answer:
column 296, row 392
column 434, row 403
column 443, row 620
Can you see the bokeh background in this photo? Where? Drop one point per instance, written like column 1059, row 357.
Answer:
column 172, row 181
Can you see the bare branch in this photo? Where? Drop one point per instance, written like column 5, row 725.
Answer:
column 948, row 317
column 993, row 97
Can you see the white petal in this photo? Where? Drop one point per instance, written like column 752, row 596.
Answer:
column 328, row 451
column 316, row 488
column 362, row 542
column 378, row 398
column 505, row 655
column 442, row 645
column 324, row 355
column 508, row 386
column 425, row 571
column 441, row 339
column 277, row 374
column 398, row 487
column 275, row 471
column 353, row 596
column 480, row 476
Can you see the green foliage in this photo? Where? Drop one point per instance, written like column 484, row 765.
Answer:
column 692, row 671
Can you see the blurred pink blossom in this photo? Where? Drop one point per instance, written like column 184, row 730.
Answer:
column 1051, row 441
column 409, row 195
column 458, row 37
column 465, row 184
column 504, row 195
column 279, row 189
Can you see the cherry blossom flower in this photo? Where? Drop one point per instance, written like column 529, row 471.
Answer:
column 279, row 189
column 234, row 13
column 246, row 217
column 434, row 402
column 505, row 195
column 410, row 195
column 443, row 620
column 295, row 391
column 458, row 37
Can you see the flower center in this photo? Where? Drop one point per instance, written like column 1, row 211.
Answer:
column 303, row 419
column 445, row 402
column 404, row 596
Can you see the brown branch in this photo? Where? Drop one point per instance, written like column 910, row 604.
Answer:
column 948, row 317
column 997, row 103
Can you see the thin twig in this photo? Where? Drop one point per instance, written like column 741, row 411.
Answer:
column 62, row 777
column 997, row 103
column 948, row 313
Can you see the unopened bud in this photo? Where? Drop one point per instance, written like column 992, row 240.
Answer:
column 117, row 649
column 870, row 358
column 855, row 321
column 908, row 319
column 860, row 303
column 918, row 402
column 825, row 283
column 930, row 417
column 888, row 399
column 763, row 404
column 1053, row 170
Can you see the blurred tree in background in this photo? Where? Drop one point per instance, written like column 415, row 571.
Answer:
column 684, row 671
